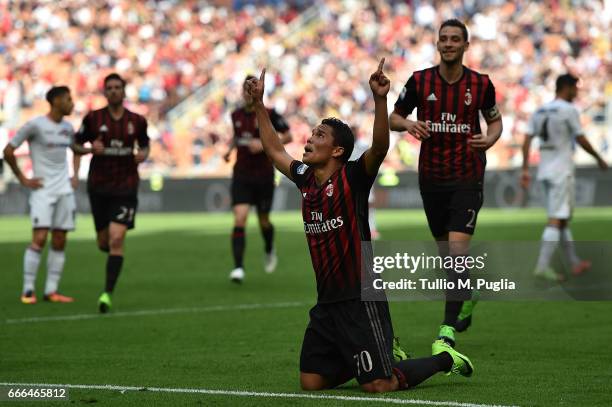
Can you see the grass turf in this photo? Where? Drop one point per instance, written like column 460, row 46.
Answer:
column 525, row 353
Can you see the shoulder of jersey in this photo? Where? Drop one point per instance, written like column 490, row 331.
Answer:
column 421, row 71
column 39, row 118
column 135, row 116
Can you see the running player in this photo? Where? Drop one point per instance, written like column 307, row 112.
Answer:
column 112, row 184
column 452, row 160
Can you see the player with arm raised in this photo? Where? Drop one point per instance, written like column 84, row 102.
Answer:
column 52, row 203
column 452, row 160
column 346, row 337
column 557, row 125
column 112, row 184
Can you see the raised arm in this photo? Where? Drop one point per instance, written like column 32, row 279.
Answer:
column 374, row 156
column 272, row 144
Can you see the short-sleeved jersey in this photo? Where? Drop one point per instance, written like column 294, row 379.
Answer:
column 451, row 112
column 115, row 172
column 556, row 124
column 48, row 142
column 335, row 217
column 249, row 165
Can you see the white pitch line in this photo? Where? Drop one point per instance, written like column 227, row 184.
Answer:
column 239, row 393
column 213, row 308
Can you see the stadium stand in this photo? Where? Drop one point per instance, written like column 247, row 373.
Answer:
column 185, row 62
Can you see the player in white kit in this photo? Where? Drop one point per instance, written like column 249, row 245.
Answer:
column 52, row 203
column 557, row 125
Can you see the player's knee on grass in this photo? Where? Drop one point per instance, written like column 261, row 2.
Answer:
column 58, row 240
column 313, row 382
column 379, row 386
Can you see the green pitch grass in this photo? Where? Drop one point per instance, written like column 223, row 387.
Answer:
column 200, row 331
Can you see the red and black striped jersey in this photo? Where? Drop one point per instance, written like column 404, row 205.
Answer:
column 451, row 113
column 115, row 172
column 335, row 217
column 249, row 165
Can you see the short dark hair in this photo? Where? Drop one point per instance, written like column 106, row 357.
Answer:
column 343, row 136
column 564, row 81
column 453, row 22
column 114, row 77
column 56, row 91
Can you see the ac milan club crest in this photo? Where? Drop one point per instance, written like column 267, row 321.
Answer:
column 468, row 97
column 329, row 190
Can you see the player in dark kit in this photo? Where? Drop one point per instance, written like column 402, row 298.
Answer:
column 112, row 184
column 448, row 98
column 252, row 181
column 346, row 337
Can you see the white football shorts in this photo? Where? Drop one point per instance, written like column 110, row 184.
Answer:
column 560, row 197
column 52, row 211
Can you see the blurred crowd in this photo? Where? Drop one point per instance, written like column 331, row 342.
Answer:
column 319, row 60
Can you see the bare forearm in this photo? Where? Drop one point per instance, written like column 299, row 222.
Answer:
column 526, row 149
column 269, row 138
column 397, row 122
column 76, row 164
column 586, row 145
column 494, row 131
column 380, row 138
column 80, row 149
column 10, row 159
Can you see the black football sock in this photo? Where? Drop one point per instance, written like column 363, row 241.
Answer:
column 268, row 235
column 455, row 297
column 451, row 312
column 113, row 268
column 411, row 372
column 238, row 244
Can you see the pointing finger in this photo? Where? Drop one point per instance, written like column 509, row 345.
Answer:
column 263, row 75
column 380, row 65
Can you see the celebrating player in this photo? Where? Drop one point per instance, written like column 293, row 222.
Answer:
column 252, row 181
column 113, row 179
column 346, row 337
column 452, row 160
column 52, row 204
column 557, row 124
